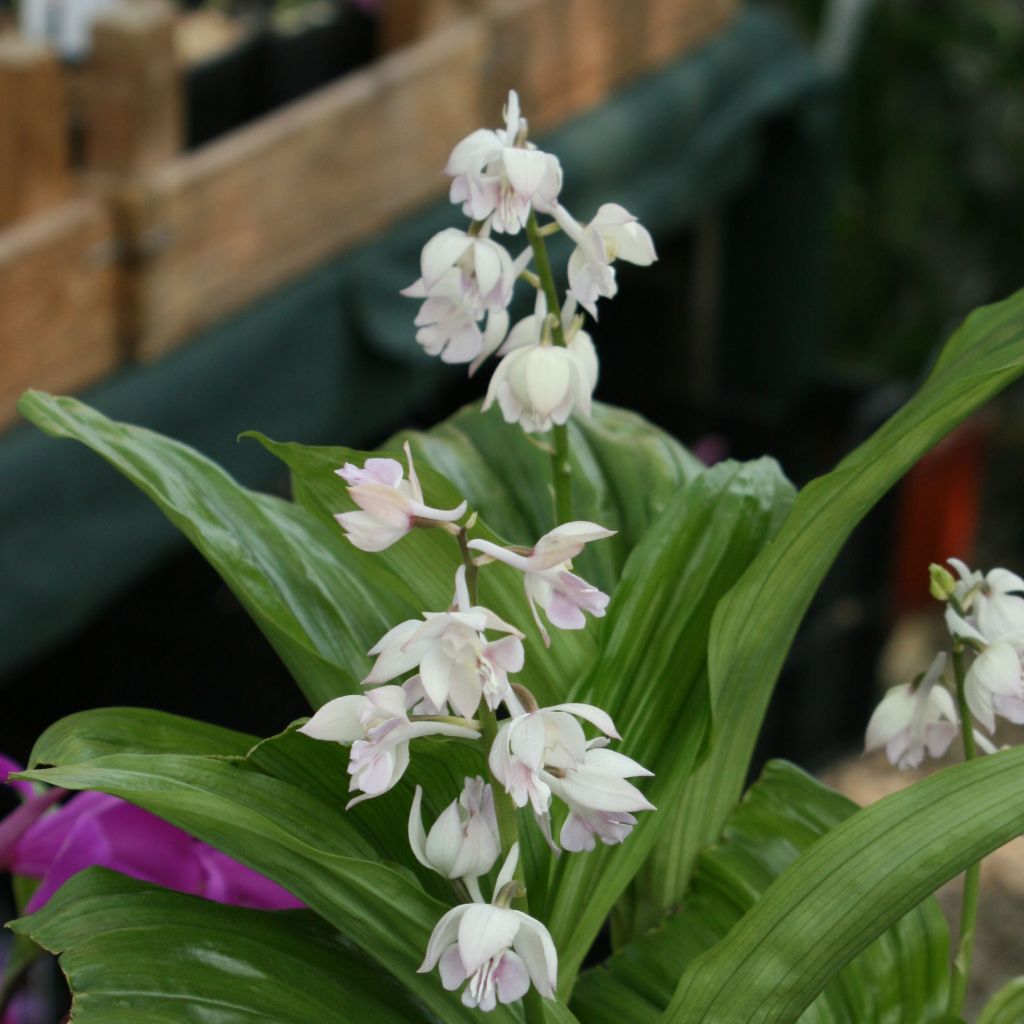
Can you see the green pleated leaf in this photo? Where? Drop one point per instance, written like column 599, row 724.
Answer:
column 901, row 977
column 651, row 672
column 89, row 734
column 135, row 953
column 625, row 471
column 849, row 888
column 755, row 625
column 1006, row 1006
column 318, row 610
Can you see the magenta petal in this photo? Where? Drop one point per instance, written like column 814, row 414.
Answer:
column 124, row 838
column 227, row 881
column 39, row 846
column 7, row 766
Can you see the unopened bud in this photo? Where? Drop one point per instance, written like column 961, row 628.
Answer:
column 942, row 583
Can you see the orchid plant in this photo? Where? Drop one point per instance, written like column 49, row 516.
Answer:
column 516, row 648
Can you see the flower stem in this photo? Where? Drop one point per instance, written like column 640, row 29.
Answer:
column 972, row 876
column 561, row 467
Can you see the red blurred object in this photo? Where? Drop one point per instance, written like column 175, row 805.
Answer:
column 938, row 511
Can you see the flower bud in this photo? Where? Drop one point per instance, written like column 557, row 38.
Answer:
column 942, row 584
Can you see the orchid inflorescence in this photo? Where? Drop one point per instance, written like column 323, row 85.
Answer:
column 549, row 366
column 984, row 615
column 449, row 673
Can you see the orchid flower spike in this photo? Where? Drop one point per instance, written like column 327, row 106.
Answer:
column 498, row 176
column 538, row 384
column 913, row 719
column 457, row 664
column 463, row 843
column 613, row 234
column 498, row 950
column 389, row 505
column 547, row 578
column 379, row 730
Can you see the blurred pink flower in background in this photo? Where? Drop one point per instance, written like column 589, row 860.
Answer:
column 52, row 843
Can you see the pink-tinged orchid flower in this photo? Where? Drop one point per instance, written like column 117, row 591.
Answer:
column 480, row 268
column 389, row 505
column 498, row 177
column 96, row 830
column 538, row 384
column 601, row 802
column 613, row 234
column 379, row 730
column 463, row 842
column 547, row 578
column 532, row 749
column 499, row 951
column 914, row 719
column 992, row 605
column 457, row 664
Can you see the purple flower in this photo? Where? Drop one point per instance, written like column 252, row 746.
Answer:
column 96, row 830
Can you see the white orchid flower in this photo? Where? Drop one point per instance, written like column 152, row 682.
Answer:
column 500, row 176
column 547, row 578
column 992, row 604
column 480, row 269
column 538, row 384
column 379, row 730
column 601, row 802
column 449, row 328
column 499, row 951
column 548, row 740
column 463, row 843
column 457, row 664
column 613, row 234
column 914, row 719
column 389, row 505
column 995, row 685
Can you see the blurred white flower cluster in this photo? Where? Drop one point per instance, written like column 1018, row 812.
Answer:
column 985, row 618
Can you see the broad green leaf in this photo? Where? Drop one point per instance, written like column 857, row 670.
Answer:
column 89, row 734
column 625, row 471
column 901, row 977
column 134, row 953
column 1006, row 1006
column 755, row 625
column 319, row 612
column 651, row 671
column 848, row 888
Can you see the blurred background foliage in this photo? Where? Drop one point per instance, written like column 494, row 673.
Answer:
column 930, row 209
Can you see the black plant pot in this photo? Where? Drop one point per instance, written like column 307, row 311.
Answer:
column 319, row 44
column 225, row 92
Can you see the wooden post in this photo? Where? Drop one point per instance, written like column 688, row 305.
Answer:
column 132, row 99
column 405, row 21
column 34, row 170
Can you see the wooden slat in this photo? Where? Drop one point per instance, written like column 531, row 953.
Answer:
column 57, row 329
column 34, row 167
column 219, row 228
column 401, row 22
column 565, row 56
column 132, row 90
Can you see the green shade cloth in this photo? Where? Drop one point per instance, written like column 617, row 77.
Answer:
column 331, row 357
